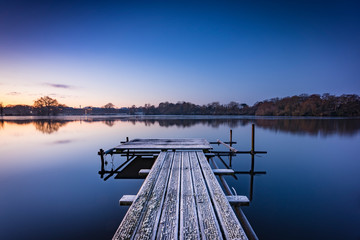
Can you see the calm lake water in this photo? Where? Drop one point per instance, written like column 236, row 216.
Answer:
column 50, row 187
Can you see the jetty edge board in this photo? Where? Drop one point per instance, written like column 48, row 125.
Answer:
column 165, row 143
column 180, row 199
column 131, row 220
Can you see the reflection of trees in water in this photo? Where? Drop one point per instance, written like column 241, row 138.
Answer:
column 49, row 126
column 312, row 126
column 109, row 122
column 18, row 122
column 184, row 123
column 21, row 122
column 323, row 127
column 295, row 126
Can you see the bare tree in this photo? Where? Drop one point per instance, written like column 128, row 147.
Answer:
column 46, row 106
column 109, row 105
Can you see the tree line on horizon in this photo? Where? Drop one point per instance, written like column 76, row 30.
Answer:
column 301, row 105
column 347, row 105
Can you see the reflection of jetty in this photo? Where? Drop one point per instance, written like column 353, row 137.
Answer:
column 180, row 197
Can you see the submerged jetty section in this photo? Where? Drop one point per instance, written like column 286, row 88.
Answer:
column 180, row 197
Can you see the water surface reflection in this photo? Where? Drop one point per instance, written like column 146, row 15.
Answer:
column 52, row 164
column 301, row 126
column 49, row 126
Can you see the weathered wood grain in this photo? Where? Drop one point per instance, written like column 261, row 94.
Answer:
column 149, row 223
column 209, row 227
column 133, row 215
column 228, row 221
column 181, row 199
column 189, row 226
column 169, row 221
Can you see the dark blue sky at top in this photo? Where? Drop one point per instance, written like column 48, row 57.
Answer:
column 229, row 50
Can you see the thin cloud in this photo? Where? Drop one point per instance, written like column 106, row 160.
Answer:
column 50, row 95
column 13, row 93
column 59, row 96
column 62, row 142
column 65, row 86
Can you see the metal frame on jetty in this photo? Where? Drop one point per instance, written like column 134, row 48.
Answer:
column 181, row 197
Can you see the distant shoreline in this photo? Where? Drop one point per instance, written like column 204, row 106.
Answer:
column 164, row 117
column 346, row 105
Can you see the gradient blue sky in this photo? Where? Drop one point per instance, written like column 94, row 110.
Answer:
column 136, row 52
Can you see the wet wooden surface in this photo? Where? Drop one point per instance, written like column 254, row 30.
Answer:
column 180, row 199
column 165, row 143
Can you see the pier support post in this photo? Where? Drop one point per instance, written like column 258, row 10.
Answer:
column 251, row 184
column 252, row 163
column 250, row 233
column 252, row 138
column 252, row 148
column 127, row 153
column 101, row 153
column 230, row 157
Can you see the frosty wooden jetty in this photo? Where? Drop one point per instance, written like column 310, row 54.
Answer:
column 165, row 144
column 180, row 197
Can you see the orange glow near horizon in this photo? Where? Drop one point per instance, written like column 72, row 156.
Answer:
column 6, row 102
column 24, row 100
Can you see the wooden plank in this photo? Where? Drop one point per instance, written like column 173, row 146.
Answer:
column 169, row 221
column 230, row 148
column 161, row 141
column 209, row 228
column 166, row 147
column 238, row 200
column 147, row 227
column 144, row 172
column 223, row 171
column 127, row 200
column 189, row 226
column 166, row 140
column 181, row 198
column 228, row 221
column 170, row 143
column 133, row 215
